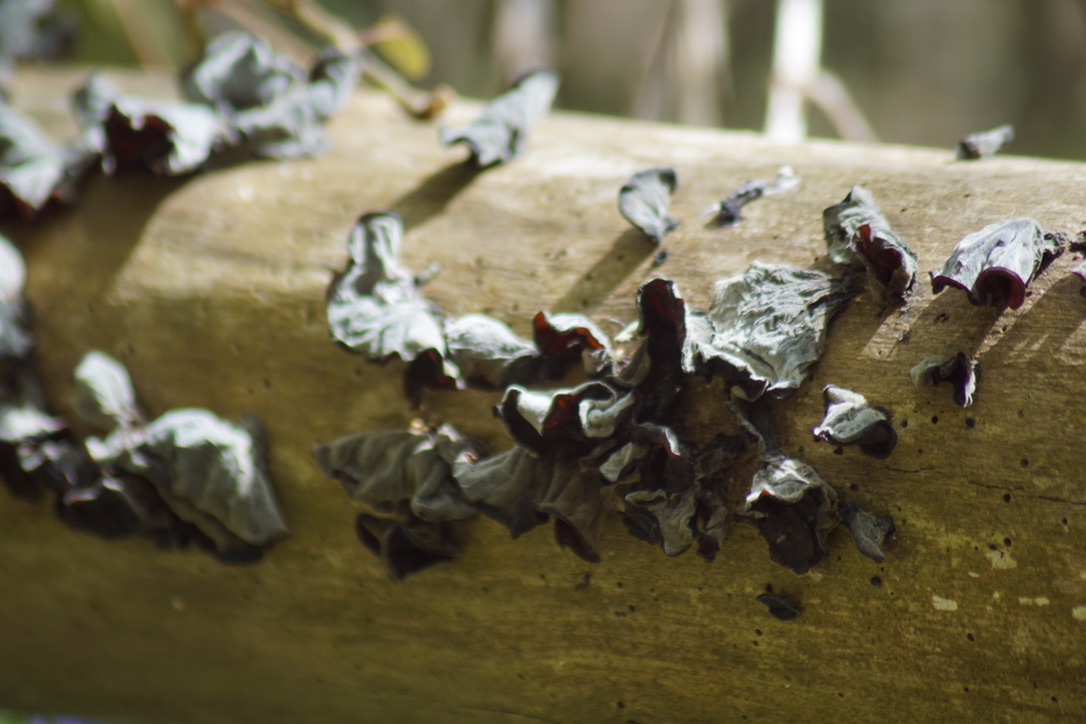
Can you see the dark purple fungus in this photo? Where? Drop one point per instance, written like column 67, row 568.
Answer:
column 272, row 106
column 208, row 471
column 33, row 29
column 576, row 418
column 644, row 200
column 489, row 354
column 857, row 233
column 405, row 547
column 780, row 607
column 561, row 338
column 960, row 370
column 501, row 132
column 405, row 478
column 401, row 473
column 520, row 491
column 849, row 420
column 239, row 94
column 657, row 368
column 767, row 326
column 996, row 264
column 376, row 309
column 794, row 510
column 15, row 341
column 1079, row 270
column 166, row 137
column 869, row 531
column 984, row 144
column 793, row 507
column 34, row 169
column 671, row 500
column 727, row 211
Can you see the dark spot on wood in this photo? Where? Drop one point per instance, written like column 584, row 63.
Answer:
column 758, row 631
column 876, row 581
column 993, row 547
column 1024, row 463
column 970, row 422
column 942, row 317
column 854, row 487
column 970, row 637
column 1007, row 542
column 904, row 424
column 1063, row 521
column 1006, row 497
column 583, row 583
column 934, row 419
column 838, row 451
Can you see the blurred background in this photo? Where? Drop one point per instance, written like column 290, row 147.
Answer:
column 921, row 72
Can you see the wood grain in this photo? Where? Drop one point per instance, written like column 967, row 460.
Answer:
column 210, row 289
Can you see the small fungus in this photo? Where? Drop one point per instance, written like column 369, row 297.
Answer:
column 857, row 233
column 997, row 263
column 849, row 420
column 960, row 370
column 501, row 132
column 780, row 607
column 34, row 169
column 644, row 201
column 869, row 531
column 727, row 211
column 984, row 144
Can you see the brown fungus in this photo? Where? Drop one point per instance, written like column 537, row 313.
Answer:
column 996, row 264
column 849, row 420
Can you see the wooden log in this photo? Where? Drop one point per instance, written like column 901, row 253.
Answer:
column 211, row 290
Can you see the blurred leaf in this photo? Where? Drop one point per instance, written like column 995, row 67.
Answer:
column 401, row 46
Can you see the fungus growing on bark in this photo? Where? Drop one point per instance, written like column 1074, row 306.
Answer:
column 869, row 531
column 271, row 105
column 768, row 325
column 727, row 211
column 960, row 370
column 375, row 307
column 501, row 132
column 997, row 263
column 644, row 199
column 984, row 143
column 780, row 607
column 34, row 169
column 857, row 233
column 239, row 94
column 849, row 420
column 209, row 472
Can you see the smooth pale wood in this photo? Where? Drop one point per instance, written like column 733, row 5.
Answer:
column 210, row 289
